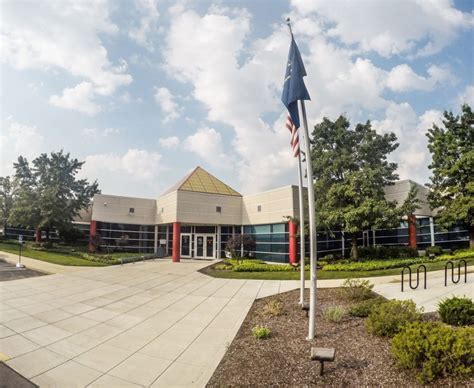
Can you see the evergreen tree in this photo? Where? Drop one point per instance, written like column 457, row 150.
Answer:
column 49, row 194
column 452, row 180
column 7, row 193
column 350, row 170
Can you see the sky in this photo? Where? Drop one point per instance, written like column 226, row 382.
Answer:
column 143, row 91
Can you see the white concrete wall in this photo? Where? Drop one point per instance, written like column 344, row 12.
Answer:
column 200, row 208
column 167, row 208
column 112, row 208
column 399, row 192
column 275, row 206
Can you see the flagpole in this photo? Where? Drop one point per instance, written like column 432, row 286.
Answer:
column 312, row 229
column 302, row 237
column 312, row 221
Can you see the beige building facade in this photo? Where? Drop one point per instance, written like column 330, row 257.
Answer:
column 196, row 217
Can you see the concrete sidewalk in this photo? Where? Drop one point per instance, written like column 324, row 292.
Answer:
column 154, row 324
column 435, row 289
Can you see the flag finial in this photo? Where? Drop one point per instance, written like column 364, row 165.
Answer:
column 288, row 23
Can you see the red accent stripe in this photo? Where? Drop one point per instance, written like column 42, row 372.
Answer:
column 294, row 141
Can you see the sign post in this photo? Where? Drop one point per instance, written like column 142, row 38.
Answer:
column 20, row 241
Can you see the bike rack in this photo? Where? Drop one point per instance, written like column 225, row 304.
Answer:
column 417, row 276
column 449, row 262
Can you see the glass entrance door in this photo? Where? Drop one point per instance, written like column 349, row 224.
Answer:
column 204, row 246
column 185, row 245
column 199, row 246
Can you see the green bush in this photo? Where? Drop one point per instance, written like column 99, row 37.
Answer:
column 436, row 250
column 388, row 318
column 363, row 309
column 384, row 253
column 434, row 350
column 457, row 311
column 261, row 332
column 334, row 313
column 373, row 265
column 357, row 289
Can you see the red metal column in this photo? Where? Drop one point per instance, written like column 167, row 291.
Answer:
column 92, row 235
column 412, row 231
column 293, row 228
column 38, row 235
column 176, row 241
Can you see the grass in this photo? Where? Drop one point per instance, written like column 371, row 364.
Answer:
column 50, row 257
column 321, row 274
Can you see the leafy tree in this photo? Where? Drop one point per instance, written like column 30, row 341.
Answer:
column 49, row 194
column 235, row 243
column 452, row 182
column 350, row 170
column 7, row 193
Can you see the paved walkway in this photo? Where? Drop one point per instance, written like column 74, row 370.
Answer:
column 435, row 289
column 145, row 324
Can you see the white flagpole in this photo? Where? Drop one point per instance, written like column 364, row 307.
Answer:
column 302, row 239
column 312, row 229
column 312, row 221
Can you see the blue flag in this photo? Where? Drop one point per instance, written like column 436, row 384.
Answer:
column 294, row 88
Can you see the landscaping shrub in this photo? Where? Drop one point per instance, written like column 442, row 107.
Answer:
column 388, row 318
column 457, row 311
column 436, row 250
column 357, row 289
column 274, row 307
column 434, row 350
column 261, row 332
column 384, row 253
column 363, row 309
column 373, row 265
column 334, row 314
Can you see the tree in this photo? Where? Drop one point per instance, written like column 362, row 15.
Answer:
column 235, row 244
column 49, row 194
column 350, row 171
column 7, row 193
column 452, row 180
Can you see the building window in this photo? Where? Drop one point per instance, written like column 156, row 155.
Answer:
column 131, row 210
column 162, row 209
column 218, row 209
column 259, row 208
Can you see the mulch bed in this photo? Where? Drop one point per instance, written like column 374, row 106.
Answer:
column 284, row 359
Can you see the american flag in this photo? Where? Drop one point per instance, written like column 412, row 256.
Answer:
column 295, row 142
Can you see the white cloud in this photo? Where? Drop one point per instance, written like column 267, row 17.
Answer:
column 467, row 96
column 142, row 33
column 79, row 98
column 18, row 139
column 402, row 78
column 113, row 170
column 167, row 103
column 169, row 142
column 207, row 144
column 391, row 27
column 96, row 132
column 51, row 36
column 234, row 94
column 412, row 155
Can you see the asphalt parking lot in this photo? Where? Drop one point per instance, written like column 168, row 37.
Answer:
column 10, row 272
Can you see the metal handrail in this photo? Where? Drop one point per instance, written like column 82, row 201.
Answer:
column 417, row 276
column 449, row 262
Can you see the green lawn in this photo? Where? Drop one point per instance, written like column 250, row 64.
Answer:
column 321, row 274
column 50, row 257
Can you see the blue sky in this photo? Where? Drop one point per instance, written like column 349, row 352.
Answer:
column 144, row 91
